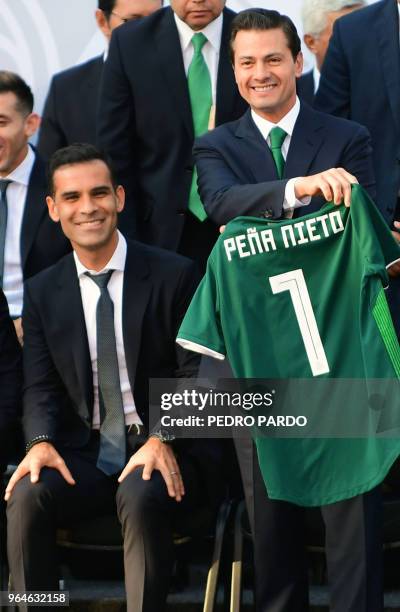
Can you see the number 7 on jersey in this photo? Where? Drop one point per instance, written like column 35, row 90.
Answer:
column 295, row 283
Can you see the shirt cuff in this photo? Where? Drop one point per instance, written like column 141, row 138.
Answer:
column 290, row 201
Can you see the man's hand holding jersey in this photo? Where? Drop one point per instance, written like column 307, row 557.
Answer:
column 333, row 184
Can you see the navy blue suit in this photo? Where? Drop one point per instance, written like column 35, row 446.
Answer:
column 305, row 87
column 360, row 80
column 69, row 113
column 237, row 174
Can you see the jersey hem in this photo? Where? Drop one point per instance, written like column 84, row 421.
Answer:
column 199, row 348
column 333, row 498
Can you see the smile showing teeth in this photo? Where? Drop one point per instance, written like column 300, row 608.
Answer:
column 264, row 88
column 94, row 221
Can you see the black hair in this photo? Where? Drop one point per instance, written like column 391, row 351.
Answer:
column 263, row 19
column 11, row 82
column 76, row 153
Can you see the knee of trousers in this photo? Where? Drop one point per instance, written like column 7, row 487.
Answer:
column 141, row 501
column 29, row 502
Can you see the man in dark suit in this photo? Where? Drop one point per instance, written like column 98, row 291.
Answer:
column 10, row 380
column 364, row 86
column 29, row 240
column 91, row 345
column 318, row 17
column 147, row 123
column 69, row 113
column 283, row 158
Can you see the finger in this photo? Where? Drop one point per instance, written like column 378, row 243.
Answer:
column 177, row 476
column 334, row 181
column 325, row 189
column 64, row 471
column 148, row 470
column 397, row 224
column 35, row 470
column 19, row 473
column 169, row 481
column 222, row 229
column 346, row 188
column 347, row 176
column 130, row 466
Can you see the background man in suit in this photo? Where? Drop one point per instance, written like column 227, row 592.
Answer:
column 10, row 380
column 29, row 240
column 318, row 17
column 157, row 93
column 69, row 113
column 365, row 86
column 91, row 344
column 242, row 170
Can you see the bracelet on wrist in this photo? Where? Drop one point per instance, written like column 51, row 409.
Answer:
column 37, row 440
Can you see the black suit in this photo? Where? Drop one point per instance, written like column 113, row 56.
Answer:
column 305, row 87
column 10, row 379
column 42, row 241
column 145, row 124
column 365, row 86
column 69, row 113
column 58, row 402
column 237, row 175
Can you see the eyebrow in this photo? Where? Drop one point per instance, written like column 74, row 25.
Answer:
column 94, row 190
column 268, row 56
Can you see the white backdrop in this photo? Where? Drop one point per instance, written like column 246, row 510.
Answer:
column 41, row 37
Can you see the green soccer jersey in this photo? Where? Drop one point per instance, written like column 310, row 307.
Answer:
column 304, row 298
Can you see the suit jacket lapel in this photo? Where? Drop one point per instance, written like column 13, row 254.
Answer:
column 255, row 150
column 226, row 86
column 306, row 140
column 35, row 208
column 387, row 35
column 136, row 294
column 68, row 302
column 170, row 57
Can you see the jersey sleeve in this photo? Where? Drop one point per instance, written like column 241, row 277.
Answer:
column 201, row 330
column 377, row 243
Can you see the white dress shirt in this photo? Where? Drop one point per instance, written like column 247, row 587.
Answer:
column 210, row 51
column 90, row 294
column 13, row 280
column 287, row 123
column 316, row 78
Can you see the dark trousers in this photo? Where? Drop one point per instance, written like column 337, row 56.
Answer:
column 353, row 547
column 146, row 512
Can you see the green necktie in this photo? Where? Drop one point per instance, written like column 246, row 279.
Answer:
column 199, row 84
column 277, row 136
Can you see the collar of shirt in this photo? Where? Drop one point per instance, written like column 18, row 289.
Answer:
column 117, row 261
column 22, row 172
column 316, row 77
column 286, row 123
column 212, row 31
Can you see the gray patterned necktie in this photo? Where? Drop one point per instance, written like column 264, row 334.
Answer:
column 3, row 223
column 112, row 451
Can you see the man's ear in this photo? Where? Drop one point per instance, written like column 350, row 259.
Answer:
column 299, row 64
column 52, row 207
column 310, row 42
column 120, row 194
column 103, row 23
column 32, row 123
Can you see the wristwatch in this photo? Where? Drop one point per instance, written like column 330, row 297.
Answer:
column 163, row 435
